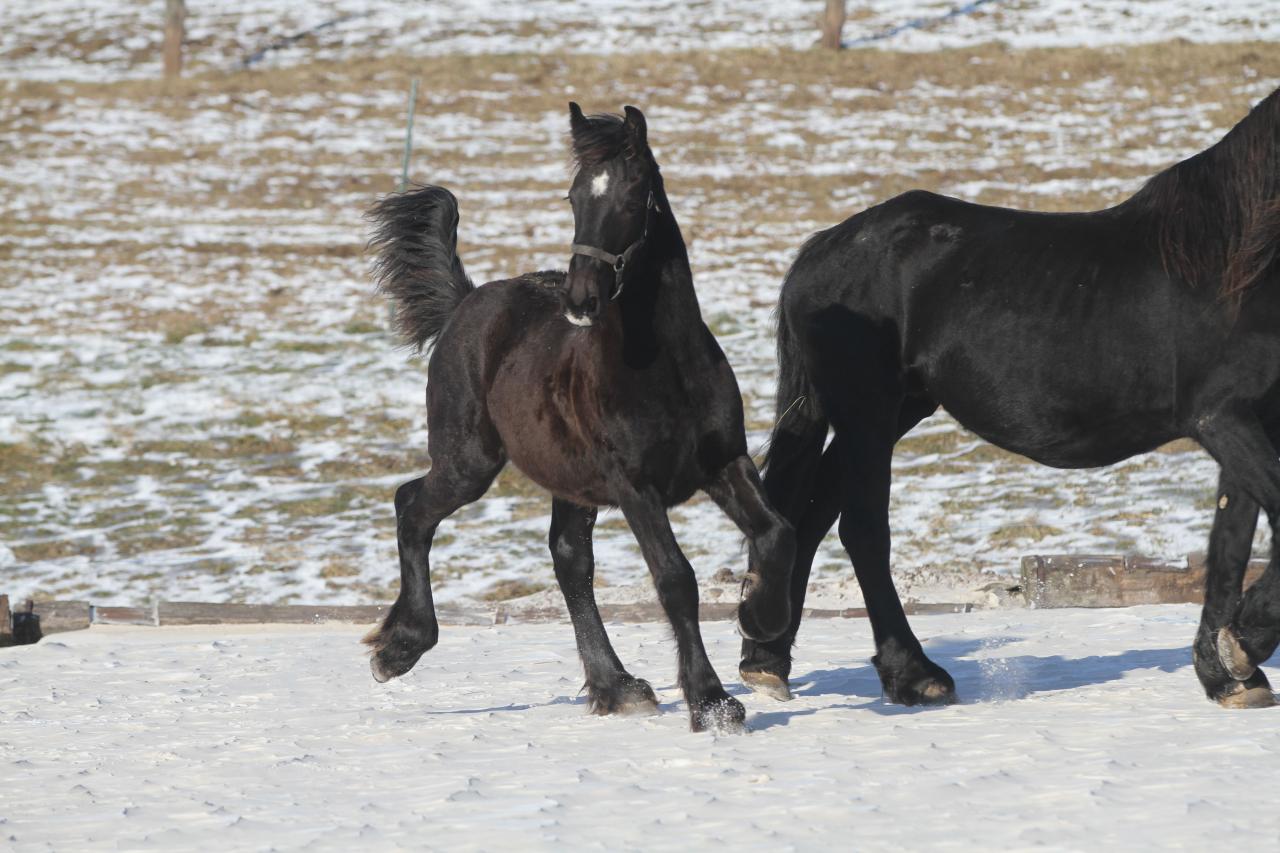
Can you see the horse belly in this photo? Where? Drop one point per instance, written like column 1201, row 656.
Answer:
column 1057, row 402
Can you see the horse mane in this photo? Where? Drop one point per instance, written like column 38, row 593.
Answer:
column 599, row 138
column 1216, row 215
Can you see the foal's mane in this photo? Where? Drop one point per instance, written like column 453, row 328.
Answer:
column 1216, row 216
column 599, row 138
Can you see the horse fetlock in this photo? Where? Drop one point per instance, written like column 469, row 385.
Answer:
column 1233, row 655
column 764, row 613
column 626, row 695
column 913, row 679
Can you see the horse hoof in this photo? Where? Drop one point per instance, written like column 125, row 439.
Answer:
column 1233, row 656
column 919, row 682
column 719, row 716
column 632, row 697
column 380, row 675
column 1244, row 696
column 767, row 684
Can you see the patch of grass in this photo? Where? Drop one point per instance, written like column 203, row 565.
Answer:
column 55, row 549
column 1022, row 530
column 362, row 327
column 177, row 326
column 506, row 590
column 337, row 569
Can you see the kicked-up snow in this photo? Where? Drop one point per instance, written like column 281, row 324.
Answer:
column 1077, row 730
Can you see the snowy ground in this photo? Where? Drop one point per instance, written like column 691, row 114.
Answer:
column 198, row 399
column 93, row 39
column 1079, row 730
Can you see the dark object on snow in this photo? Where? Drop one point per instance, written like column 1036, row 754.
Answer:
column 26, row 626
column 1075, row 339
column 604, row 386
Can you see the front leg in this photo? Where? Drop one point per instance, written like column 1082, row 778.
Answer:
column 765, row 611
column 710, row 707
column 610, row 688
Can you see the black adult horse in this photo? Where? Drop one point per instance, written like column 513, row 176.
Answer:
column 1075, row 339
column 604, row 386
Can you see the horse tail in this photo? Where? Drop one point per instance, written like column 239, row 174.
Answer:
column 795, row 446
column 416, row 264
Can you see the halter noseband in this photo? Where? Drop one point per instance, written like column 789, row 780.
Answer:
column 618, row 262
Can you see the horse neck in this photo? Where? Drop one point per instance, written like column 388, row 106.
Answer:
column 658, row 306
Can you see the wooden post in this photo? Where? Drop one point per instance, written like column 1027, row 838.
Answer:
column 175, row 18
column 6, row 628
column 833, row 24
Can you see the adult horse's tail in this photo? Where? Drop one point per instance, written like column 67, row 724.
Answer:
column 415, row 241
column 795, row 447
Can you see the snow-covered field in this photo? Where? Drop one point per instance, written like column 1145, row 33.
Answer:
column 198, row 398
column 1078, row 730
column 90, row 39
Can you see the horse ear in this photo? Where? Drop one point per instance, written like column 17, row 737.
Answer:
column 636, row 127
column 576, row 118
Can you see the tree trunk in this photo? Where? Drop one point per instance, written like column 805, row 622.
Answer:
column 832, row 24
column 175, row 15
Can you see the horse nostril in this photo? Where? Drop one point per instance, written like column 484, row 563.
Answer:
column 589, row 305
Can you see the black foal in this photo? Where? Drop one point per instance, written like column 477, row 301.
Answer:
column 604, row 386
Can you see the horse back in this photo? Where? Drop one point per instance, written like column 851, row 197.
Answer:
column 1058, row 336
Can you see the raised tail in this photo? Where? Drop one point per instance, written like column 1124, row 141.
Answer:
column 416, row 264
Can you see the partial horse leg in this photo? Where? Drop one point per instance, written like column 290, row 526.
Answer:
column 766, row 667
column 709, row 705
column 764, row 613
column 906, row 673
column 1236, row 438
column 610, row 688
column 465, row 459
column 1230, row 546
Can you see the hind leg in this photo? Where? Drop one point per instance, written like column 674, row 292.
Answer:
column 766, row 667
column 906, row 673
column 610, row 688
column 466, row 456
column 1247, row 455
column 1230, row 546
column 710, row 707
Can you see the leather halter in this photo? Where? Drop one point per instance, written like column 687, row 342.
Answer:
column 618, row 262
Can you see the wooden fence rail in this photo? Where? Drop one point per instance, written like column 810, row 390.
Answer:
column 1047, row 581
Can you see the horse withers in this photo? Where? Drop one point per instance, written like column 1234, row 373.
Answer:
column 604, row 386
column 1075, row 339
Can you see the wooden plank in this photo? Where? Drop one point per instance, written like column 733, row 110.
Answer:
column 57, row 616
column 198, row 613
column 1115, row 581
column 117, row 615
column 708, row 611
column 6, row 622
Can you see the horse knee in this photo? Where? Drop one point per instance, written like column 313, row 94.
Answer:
column 676, row 585
column 406, row 494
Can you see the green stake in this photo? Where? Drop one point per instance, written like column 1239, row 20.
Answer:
column 408, row 135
